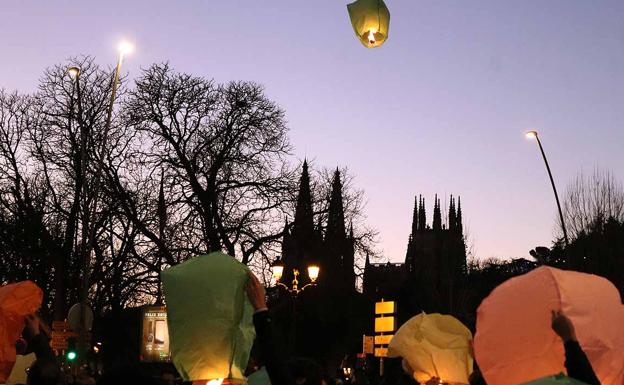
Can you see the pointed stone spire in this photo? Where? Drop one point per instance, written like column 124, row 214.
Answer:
column 437, row 215
column 422, row 214
column 459, row 226
column 304, row 216
column 415, row 217
column 452, row 216
column 335, row 217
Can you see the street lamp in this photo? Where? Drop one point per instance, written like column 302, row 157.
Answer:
column 534, row 135
column 278, row 272
column 124, row 48
column 73, row 72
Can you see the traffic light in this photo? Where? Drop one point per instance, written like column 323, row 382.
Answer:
column 71, row 349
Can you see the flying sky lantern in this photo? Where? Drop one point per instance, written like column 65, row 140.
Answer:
column 370, row 20
column 519, row 312
column 210, row 319
column 434, row 345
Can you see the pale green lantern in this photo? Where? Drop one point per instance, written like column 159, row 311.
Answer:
column 210, row 318
column 370, row 20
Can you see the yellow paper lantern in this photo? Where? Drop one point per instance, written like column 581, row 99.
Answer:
column 370, row 20
column 434, row 345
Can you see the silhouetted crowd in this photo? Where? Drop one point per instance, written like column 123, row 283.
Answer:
column 281, row 371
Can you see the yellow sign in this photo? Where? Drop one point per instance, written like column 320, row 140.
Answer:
column 381, row 352
column 368, row 345
column 385, row 307
column 385, row 324
column 384, row 339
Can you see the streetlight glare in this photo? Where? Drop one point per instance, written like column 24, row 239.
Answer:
column 73, row 72
column 313, row 272
column 125, row 47
column 531, row 134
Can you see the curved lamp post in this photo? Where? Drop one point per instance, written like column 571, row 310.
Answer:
column 370, row 20
column 123, row 48
column 534, row 135
column 278, row 272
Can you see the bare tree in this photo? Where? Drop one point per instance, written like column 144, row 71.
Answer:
column 592, row 200
column 222, row 150
column 354, row 203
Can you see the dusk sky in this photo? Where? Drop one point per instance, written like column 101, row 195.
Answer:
column 442, row 107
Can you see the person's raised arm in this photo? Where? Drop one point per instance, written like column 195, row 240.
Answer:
column 264, row 334
column 576, row 362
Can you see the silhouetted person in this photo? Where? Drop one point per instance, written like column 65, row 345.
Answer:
column 45, row 370
column 296, row 371
column 127, row 375
column 576, row 362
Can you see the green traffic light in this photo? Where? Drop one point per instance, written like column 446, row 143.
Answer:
column 71, row 356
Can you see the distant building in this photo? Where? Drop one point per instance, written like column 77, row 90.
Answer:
column 324, row 322
column 332, row 249
column 435, row 263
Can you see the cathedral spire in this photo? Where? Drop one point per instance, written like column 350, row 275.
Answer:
column 335, row 217
column 459, row 226
column 452, row 216
column 422, row 214
column 303, row 226
column 415, row 217
column 437, row 215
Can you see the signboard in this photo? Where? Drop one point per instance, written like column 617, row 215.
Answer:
column 59, row 344
column 383, row 339
column 381, row 352
column 155, row 335
column 385, row 307
column 385, row 324
column 60, row 325
column 368, row 344
column 61, row 331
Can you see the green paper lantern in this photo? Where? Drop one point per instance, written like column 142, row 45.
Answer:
column 370, row 20
column 210, row 318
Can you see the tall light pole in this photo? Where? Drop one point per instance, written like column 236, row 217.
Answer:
column 534, row 135
column 124, row 48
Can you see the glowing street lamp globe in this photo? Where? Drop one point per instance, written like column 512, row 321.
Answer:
column 531, row 134
column 73, row 72
column 278, row 269
column 313, row 272
column 125, row 47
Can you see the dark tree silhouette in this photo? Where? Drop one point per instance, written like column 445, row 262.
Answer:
column 591, row 201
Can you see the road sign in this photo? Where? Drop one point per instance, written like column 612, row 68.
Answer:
column 74, row 316
column 381, row 352
column 59, row 344
column 368, row 344
column 60, row 325
column 385, row 307
column 385, row 324
column 383, row 339
column 63, row 335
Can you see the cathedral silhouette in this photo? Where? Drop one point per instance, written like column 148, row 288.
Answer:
column 327, row 321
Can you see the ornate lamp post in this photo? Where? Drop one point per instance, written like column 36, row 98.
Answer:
column 278, row 272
